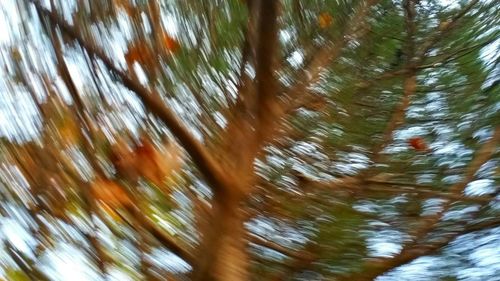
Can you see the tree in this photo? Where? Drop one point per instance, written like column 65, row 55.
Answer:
column 251, row 139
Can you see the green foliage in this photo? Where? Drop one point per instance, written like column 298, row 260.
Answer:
column 203, row 79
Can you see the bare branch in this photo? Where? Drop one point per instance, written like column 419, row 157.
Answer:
column 406, row 188
column 448, row 56
column 326, row 54
column 160, row 235
column 296, row 265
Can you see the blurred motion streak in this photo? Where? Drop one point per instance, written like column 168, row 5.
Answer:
column 248, row 140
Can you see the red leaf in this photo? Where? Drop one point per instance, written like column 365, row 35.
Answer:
column 418, row 143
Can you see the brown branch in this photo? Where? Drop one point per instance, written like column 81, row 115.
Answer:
column 423, row 191
column 441, row 30
column 152, row 101
column 480, row 157
column 355, row 187
column 297, row 95
column 415, row 252
column 157, row 31
column 259, row 240
column 413, row 249
column 397, row 118
column 247, row 54
column 326, row 54
column 296, row 265
column 254, row 112
column 159, row 234
column 409, row 84
column 267, row 48
column 447, row 57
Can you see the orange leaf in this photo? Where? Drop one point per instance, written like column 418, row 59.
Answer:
column 110, row 193
column 69, row 133
column 418, row 144
column 324, row 20
column 132, row 55
column 125, row 5
column 156, row 165
column 170, row 43
column 138, row 53
column 148, row 161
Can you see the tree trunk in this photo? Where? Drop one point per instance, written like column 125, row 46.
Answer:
column 223, row 246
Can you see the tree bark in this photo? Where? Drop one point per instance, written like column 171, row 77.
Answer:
column 223, row 247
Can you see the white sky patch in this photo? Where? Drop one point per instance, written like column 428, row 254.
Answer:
column 18, row 116
column 285, row 36
column 450, row 4
column 74, row 71
column 69, row 263
column 170, row 25
column 169, row 260
column 385, row 243
column 9, row 17
column 17, row 235
column 480, row 187
column 296, row 59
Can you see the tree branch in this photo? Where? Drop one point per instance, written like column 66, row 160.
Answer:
column 413, row 250
column 409, row 84
column 267, row 48
column 423, row 191
column 445, row 27
column 152, row 101
column 259, row 240
column 160, row 235
column 297, row 95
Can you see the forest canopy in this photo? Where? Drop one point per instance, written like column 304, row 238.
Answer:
column 249, row 140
